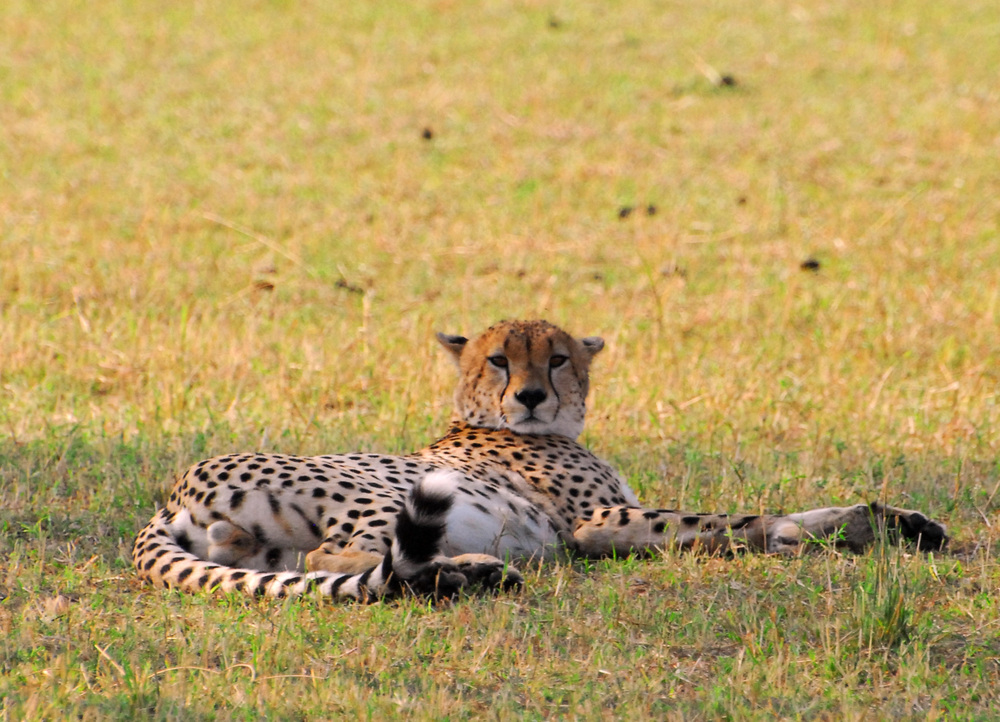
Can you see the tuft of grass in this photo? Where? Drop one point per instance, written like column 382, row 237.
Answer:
column 226, row 226
column 882, row 606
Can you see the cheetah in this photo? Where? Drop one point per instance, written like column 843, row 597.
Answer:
column 508, row 482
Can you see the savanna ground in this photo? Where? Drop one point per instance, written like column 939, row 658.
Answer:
column 230, row 226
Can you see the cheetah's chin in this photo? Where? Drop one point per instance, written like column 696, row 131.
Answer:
column 531, row 425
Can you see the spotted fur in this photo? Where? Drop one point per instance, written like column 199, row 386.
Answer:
column 507, row 482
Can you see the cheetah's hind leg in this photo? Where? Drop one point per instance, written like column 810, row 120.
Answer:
column 346, row 561
column 230, row 545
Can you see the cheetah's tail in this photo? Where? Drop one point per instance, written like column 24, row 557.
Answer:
column 161, row 559
column 420, row 526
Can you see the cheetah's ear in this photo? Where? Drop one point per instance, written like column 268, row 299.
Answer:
column 454, row 344
column 591, row 345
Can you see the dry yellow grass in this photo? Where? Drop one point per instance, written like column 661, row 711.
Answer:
column 222, row 226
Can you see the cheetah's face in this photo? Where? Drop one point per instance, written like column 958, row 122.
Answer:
column 526, row 376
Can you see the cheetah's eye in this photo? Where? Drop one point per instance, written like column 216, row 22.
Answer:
column 499, row 361
column 557, row 361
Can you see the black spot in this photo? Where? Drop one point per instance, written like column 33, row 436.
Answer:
column 690, row 520
column 184, row 574
column 183, row 541
column 236, row 500
column 810, row 264
column 246, row 476
column 728, row 81
column 740, row 523
column 427, row 134
column 659, row 527
column 624, row 212
column 259, row 535
column 273, row 557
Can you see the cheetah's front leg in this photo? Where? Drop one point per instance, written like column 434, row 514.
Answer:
column 625, row 529
column 855, row 527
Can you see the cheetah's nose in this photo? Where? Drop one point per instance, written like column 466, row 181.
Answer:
column 531, row 397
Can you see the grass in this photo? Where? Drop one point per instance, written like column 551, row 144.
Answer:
column 222, row 227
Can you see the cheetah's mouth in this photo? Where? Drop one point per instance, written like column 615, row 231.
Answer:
column 530, row 421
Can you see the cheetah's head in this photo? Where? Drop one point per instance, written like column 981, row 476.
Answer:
column 526, row 376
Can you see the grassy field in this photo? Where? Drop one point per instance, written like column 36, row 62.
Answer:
column 232, row 226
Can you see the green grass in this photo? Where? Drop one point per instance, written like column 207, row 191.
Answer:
column 221, row 228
